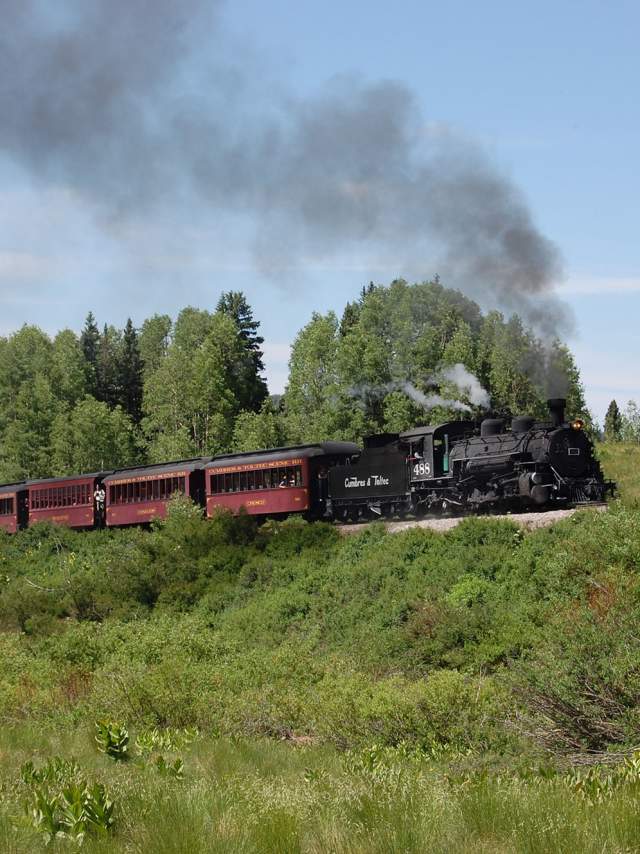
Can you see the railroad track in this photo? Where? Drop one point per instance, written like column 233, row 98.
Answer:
column 528, row 521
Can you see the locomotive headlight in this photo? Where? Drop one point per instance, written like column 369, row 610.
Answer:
column 578, row 424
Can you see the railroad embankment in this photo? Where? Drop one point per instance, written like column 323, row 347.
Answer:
column 470, row 669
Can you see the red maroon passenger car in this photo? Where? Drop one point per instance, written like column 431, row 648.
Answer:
column 139, row 495
column 13, row 506
column 278, row 481
column 64, row 500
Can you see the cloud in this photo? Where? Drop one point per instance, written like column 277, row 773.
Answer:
column 603, row 285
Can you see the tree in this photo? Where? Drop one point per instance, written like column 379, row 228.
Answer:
column 189, row 402
column 26, row 450
column 613, row 423
column 562, row 379
column 92, row 437
column 70, row 372
column 251, row 386
column 313, row 381
column 130, row 373
column 154, row 340
column 264, row 429
column 90, row 342
column 512, row 386
column 631, row 423
column 191, row 328
column 108, row 367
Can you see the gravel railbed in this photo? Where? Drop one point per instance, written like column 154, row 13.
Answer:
column 530, row 521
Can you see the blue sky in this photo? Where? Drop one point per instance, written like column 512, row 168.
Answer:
column 549, row 91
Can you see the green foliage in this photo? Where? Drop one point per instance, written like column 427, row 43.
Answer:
column 93, row 437
column 613, row 423
column 289, row 630
column 621, row 463
column 263, row 429
column 173, row 769
column 113, row 740
column 60, row 804
column 252, row 388
column 630, row 426
column 351, row 375
column 260, row 796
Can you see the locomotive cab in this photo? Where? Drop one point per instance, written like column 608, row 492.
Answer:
column 429, row 448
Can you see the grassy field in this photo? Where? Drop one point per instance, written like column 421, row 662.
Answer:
column 621, row 463
column 287, row 690
column 262, row 796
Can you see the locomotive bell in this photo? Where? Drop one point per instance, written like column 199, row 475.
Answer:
column 557, row 406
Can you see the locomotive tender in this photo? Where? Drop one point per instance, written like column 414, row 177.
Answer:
column 457, row 466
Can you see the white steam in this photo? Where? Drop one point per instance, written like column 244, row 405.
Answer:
column 429, row 401
column 470, row 395
column 468, row 384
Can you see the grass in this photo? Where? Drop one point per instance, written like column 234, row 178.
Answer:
column 263, row 796
column 621, row 463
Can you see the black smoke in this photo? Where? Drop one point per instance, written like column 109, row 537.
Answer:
column 145, row 104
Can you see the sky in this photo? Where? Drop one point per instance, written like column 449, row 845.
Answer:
column 149, row 161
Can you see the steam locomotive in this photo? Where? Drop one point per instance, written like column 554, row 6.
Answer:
column 460, row 466
column 465, row 466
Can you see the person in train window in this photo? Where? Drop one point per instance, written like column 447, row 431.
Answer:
column 99, row 496
column 283, row 483
column 292, row 479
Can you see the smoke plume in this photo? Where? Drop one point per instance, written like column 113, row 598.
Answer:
column 429, row 401
column 472, row 392
column 467, row 383
column 141, row 108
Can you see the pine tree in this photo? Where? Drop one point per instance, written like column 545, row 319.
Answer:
column 251, row 387
column 350, row 317
column 90, row 343
column 130, row 373
column 107, row 367
column 562, row 379
column 613, row 423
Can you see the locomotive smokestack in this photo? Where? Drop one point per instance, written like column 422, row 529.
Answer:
column 556, row 408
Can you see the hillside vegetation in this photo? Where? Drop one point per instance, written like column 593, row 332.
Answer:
column 419, row 685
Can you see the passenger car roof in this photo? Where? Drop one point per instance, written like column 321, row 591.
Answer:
column 12, row 487
column 157, row 469
column 66, row 478
column 318, row 449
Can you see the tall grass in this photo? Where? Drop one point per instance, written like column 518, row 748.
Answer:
column 268, row 797
column 621, row 463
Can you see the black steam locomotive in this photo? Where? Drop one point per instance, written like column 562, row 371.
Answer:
column 466, row 466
